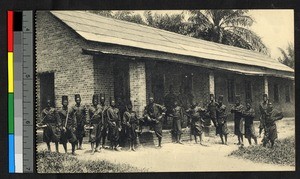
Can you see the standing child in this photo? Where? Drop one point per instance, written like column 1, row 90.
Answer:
column 238, row 124
column 196, row 122
column 177, row 120
column 221, row 128
column 249, row 115
column 130, row 120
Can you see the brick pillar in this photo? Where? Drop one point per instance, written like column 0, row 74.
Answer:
column 211, row 82
column 137, row 83
column 266, row 85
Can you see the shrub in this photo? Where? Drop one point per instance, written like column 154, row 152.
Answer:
column 282, row 153
column 62, row 163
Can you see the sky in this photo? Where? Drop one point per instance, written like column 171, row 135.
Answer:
column 275, row 27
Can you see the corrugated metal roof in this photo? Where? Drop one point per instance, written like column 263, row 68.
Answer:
column 107, row 30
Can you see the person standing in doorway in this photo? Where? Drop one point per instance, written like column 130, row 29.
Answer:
column 130, row 121
column 114, row 125
column 68, row 126
column 221, row 128
column 237, row 110
column 263, row 111
column 211, row 109
column 155, row 113
column 177, row 120
column 249, row 115
column 104, row 128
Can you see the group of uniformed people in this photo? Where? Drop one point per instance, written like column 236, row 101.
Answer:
column 121, row 125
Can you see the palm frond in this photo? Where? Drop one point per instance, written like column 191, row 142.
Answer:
column 251, row 37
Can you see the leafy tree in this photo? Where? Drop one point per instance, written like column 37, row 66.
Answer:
column 288, row 56
column 173, row 22
column 229, row 27
column 103, row 13
column 129, row 16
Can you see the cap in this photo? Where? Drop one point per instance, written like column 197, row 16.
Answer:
column 265, row 95
column 64, row 97
column 102, row 96
column 95, row 96
column 77, row 96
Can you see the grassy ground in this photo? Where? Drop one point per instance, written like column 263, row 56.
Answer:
column 61, row 163
column 282, row 153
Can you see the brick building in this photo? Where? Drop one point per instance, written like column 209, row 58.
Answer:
column 80, row 52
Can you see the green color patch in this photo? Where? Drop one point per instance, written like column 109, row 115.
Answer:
column 10, row 113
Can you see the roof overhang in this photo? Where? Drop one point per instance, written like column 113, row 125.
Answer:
column 188, row 60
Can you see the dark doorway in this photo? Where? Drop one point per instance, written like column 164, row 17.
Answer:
column 47, row 89
column 158, row 87
column 121, row 82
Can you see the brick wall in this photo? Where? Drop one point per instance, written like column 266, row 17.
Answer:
column 137, row 81
column 59, row 50
column 104, row 79
column 288, row 108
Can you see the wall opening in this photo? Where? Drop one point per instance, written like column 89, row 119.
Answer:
column 46, row 89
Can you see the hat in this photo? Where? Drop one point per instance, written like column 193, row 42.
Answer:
column 112, row 99
column 95, row 96
column 151, row 95
column 102, row 96
column 64, row 97
column 77, row 96
column 265, row 95
column 221, row 97
column 48, row 98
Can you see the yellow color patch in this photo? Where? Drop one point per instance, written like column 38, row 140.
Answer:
column 10, row 72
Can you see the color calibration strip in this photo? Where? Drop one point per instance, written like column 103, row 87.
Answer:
column 20, row 91
column 10, row 42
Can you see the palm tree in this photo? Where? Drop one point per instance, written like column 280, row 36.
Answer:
column 288, row 56
column 229, row 27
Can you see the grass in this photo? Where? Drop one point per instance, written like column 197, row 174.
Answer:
column 283, row 152
column 62, row 163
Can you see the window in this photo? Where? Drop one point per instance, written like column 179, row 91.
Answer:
column 276, row 93
column 231, row 90
column 287, row 94
column 248, row 89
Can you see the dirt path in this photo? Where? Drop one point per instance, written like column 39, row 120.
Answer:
column 190, row 156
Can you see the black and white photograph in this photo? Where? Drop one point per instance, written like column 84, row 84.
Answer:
column 127, row 91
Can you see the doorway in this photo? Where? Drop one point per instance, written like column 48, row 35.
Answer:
column 46, row 89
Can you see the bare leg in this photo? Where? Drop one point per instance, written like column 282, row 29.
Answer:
column 249, row 140
column 48, row 146
column 159, row 141
column 255, row 140
column 80, row 143
column 73, row 148
column 65, row 147
column 225, row 139
column 92, row 145
column 221, row 136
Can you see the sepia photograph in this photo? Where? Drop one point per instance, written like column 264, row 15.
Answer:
column 165, row 91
